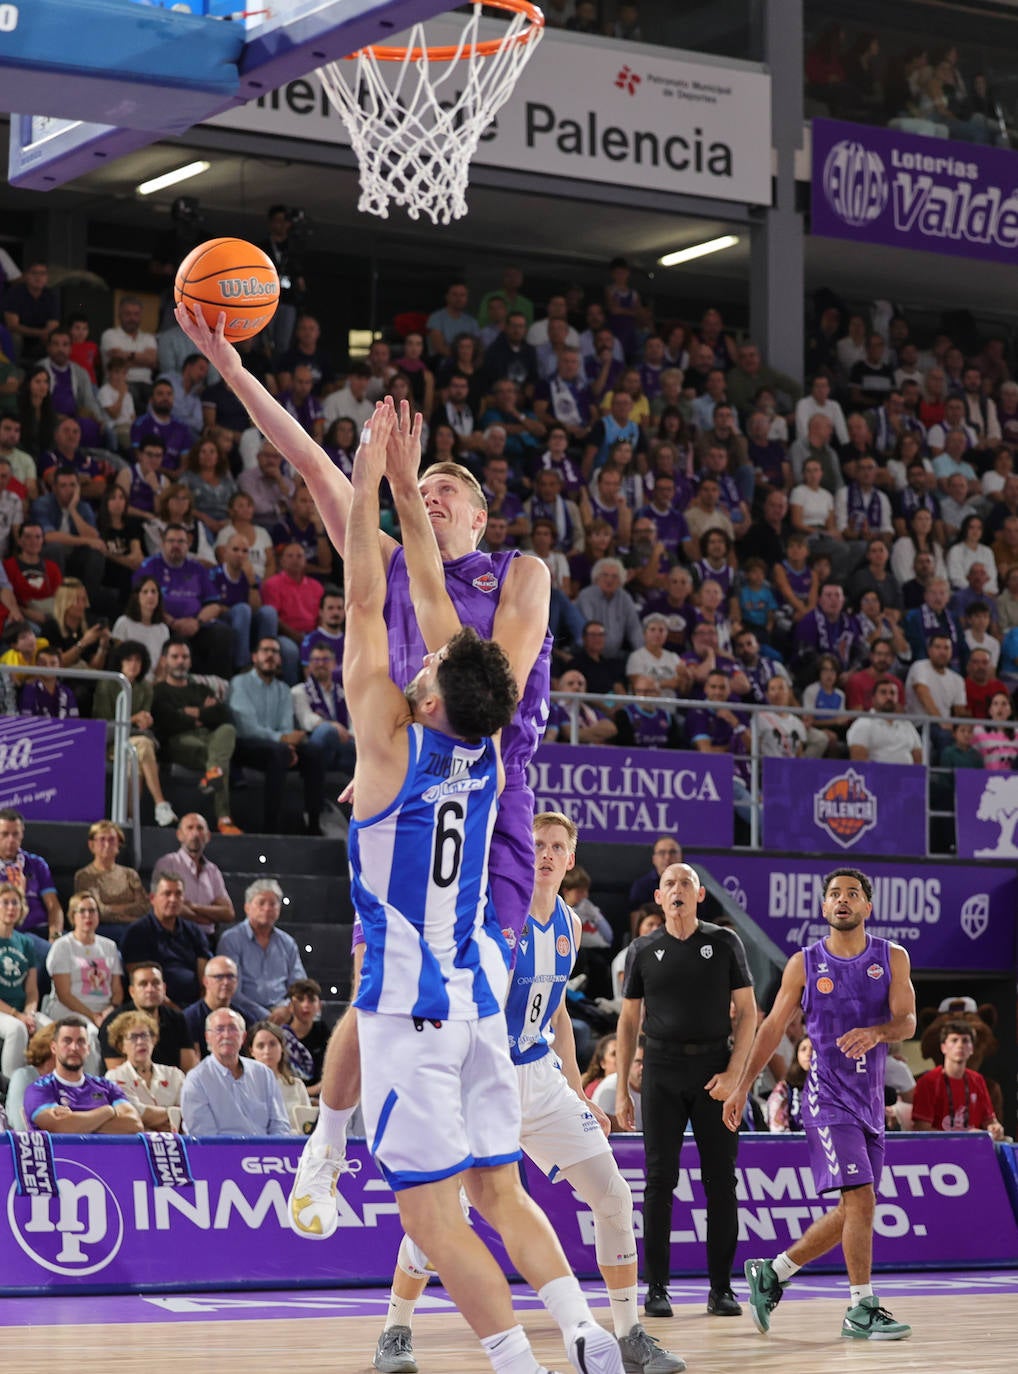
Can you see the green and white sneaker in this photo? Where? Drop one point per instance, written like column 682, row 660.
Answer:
column 764, row 1292
column 871, row 1322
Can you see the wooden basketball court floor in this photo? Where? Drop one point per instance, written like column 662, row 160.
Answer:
column 962, row 1323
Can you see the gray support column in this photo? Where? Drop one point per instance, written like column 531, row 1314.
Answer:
column 777, row 280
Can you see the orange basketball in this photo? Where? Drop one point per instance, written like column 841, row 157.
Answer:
column 230, row 275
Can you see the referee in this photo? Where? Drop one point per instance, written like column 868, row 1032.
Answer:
column 685, row 978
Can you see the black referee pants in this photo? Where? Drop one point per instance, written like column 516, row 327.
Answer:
column 672, row 1095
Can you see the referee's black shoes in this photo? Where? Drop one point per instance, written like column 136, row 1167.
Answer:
column 656, row 1303
column 722, row 1302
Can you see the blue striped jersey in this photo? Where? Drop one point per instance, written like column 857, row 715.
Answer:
column 419, row 879
column 545, row 955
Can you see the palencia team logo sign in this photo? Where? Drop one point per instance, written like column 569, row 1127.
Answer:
column 77, row 1232
column 846, row 808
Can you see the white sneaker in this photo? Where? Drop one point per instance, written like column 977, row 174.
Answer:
column 593, row 1350
column 165, row 814
column 312, row 1204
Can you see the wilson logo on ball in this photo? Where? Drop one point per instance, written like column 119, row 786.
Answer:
column 247, row 287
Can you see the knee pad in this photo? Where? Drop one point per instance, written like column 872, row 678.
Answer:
column 413, row 1261
column 607, row 1194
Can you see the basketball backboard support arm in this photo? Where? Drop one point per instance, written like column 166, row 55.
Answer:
column 48, row 148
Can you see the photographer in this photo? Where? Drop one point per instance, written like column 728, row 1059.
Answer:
column 291, row 273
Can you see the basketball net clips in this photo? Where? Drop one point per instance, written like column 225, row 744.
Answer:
column 412, row 130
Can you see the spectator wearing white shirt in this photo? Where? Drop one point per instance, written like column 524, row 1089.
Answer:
column 879, row 738
column 537, row 334
column 819, row 402
column 969, row 550
column 934, row 689
column 861, row 510
column 128, row 340
column 653, row 660
column 351, row 401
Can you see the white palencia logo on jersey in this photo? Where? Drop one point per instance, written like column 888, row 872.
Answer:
column 659, row 954
column 706, row 951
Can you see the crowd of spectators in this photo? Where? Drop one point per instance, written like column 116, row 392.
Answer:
column 133, row 992
column 714, row 529
column 913, row 86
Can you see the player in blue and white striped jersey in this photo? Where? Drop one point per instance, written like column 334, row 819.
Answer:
column 438, row 1091
column 562, row 1132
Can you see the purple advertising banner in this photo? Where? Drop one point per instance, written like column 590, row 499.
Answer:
column 948, row 916
column 110, row 1229
column 829, row 807
column 986, row 814
column 53, row 770
column 909, row 191
column 624, row 796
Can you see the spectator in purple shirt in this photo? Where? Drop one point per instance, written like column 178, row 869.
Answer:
column 672, row 530
column 30, row 874
column 703, row 659
column 829, row 629
column 238, row 588
column 329, row 630
column 68, row 453
column 191, row 604
column 71, row 1101
column 556, row 456
column 47, row 696
column 723, row 731
column 301, row 402
column 158, row 419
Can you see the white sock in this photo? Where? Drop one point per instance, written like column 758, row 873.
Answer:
column 330, row 1128
column 510, row 1352
column 625, row 1313
column 784, row 1267
column 860, row 1291
column 401, row 1311
column 566, row 1304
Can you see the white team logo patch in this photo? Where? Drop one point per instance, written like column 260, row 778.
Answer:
column 659, row 954
column 706, row 951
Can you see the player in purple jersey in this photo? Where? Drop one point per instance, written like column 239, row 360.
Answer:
column 511, row 595
column 856, row 993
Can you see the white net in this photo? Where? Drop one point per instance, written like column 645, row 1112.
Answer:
column 413, row 130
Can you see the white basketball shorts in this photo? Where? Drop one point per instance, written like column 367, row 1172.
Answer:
column 439, row 1099
column 557, row 1129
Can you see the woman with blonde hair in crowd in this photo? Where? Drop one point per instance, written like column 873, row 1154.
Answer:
column 19, row 981
column 119, row 889
column 81, row 639
column 175, row 506
column 267, row 1044
column 87, row 973
column 150, row 1087
column 39, row 1061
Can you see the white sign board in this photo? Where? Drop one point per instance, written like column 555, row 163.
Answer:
column 624, row 114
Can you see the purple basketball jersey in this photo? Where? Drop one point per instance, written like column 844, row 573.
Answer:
column 839, row 995
column 475, row 585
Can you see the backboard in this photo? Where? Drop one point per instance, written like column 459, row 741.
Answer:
column 139, row 70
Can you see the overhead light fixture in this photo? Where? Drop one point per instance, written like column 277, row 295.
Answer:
column 193, row 169
column 699, row 250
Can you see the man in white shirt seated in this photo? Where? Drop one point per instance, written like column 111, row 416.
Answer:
column 351, row 401
column 227, row 1095
column 819, row 402
column 878, row 737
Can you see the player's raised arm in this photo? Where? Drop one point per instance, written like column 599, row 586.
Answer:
column 436, row 615
column 330, row 488
column 378, row 709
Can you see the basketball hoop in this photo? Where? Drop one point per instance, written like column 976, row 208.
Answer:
column 414, row 134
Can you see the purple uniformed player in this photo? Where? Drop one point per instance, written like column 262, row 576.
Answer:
column 856, row 993
column 509, row 595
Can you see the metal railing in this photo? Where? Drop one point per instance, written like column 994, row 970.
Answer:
column 125, row 801
column 680, row 705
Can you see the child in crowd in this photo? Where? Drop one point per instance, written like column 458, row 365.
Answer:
column 84, row 351
column 977, row 632
column 118, row 403
column 47, row 696
column 758, row 605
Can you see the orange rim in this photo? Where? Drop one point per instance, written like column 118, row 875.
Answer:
column 450, row 52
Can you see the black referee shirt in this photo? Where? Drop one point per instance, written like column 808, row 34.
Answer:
column 687, row 985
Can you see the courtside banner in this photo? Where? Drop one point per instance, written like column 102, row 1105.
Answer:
column 53, row 770
column 833, row 807
column 909, row 191
column 941, row 1204
column 623, row 113
column 986, row 814
column 948, row 916
column 621, row 796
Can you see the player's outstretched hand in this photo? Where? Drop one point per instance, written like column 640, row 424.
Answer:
column 369, row 460
column 403, row 455
column 212, row 343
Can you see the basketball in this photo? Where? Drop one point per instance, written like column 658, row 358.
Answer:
column 231, row 275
